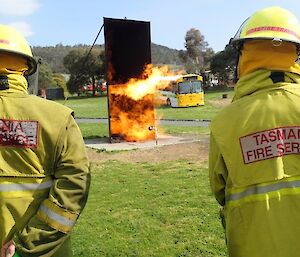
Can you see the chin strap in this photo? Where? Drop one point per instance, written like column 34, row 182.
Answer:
column 4, row 82
column 236, row 71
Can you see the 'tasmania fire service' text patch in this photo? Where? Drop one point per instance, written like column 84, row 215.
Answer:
column 18, row 133
column 270, row 143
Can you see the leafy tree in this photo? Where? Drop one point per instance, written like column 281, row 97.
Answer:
column 75, row 82
column 60, row 80
column 45, row 76
column 54, row 55
column 223, row 63
column 42, row 78
column 84, row 68
column 208, row 55
column 195, row 45
column 183, row 56
column 197, row 54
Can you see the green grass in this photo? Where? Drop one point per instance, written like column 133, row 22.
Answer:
column 148, row 210
column 145, row 209
column 96, row 130
column 87, row 107
column 208, row 111
column 95, row 107
column 93, row 130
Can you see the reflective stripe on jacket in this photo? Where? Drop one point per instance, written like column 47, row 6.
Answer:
column 254, row 166
column 44, row 176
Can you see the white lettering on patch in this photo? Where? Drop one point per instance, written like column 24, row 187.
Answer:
column 18, row 133
column 270, row 143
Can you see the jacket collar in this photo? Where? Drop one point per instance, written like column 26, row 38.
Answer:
column 260, row 80
column 13, row 83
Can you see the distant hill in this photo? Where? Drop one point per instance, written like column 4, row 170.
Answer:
column 54, row 55
column 164, row 55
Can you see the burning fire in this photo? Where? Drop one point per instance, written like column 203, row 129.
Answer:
column 131, row 105
column 154, row 79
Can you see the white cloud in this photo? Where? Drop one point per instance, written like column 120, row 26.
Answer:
column 23, row 28
column 18, row 7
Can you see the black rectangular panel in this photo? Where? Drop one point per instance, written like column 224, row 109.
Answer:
column 127, row 49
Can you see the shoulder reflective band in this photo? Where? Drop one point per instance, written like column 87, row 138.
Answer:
column 264, row 189
column 24, row 186
column 57, row 217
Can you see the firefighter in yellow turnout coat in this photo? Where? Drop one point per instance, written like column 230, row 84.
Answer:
column 44, row 175
column 254, row 160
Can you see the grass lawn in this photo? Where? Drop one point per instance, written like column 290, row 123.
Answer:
column 94, row 130
column 208, row 111
column 147, row 209
column 144, row 209
column 96, row 107
column 87, row 107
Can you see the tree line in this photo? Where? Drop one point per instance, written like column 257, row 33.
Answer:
column 54, row 55
column 57, row 60
column 86, row 67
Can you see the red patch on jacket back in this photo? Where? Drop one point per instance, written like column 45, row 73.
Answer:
column 19, row 133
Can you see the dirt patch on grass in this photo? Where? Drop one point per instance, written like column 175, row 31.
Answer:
column 222, row 102
column 193, row 151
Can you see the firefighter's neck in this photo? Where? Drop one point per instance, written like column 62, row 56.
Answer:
column 12, row 83
column 263, row 54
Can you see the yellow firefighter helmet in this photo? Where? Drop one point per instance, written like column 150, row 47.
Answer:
column 11, row 41
column 273, row 23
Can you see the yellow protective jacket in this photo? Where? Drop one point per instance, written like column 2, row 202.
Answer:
column 254, row 165
column 44, row 174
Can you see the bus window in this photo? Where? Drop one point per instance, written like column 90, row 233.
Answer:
column 189, row 87
column 184, row 87
column 196, row 87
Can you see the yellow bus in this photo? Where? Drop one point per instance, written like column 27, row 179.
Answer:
column 186, row 92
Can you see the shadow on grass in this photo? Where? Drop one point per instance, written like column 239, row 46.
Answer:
column 102, row 139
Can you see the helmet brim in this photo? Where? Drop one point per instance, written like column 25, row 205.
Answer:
column 31, row 62
column 237, row 43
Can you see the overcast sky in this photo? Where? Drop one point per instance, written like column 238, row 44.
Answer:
column 70, row 22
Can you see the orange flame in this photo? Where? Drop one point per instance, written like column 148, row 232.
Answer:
column 131, row 105
column 155, row 79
